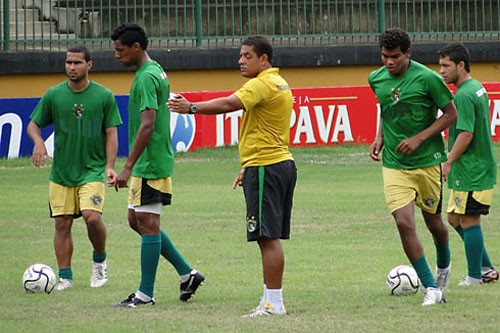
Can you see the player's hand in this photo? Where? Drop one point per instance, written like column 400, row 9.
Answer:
column 178, row 104
column 375, row 149
column 40, row 155
column 112, row 176
column 408, row 146
column 238, row 180
column 122, row 179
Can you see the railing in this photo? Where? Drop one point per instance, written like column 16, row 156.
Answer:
column 55, row 24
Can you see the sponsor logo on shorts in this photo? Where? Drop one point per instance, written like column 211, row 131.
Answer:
column 251, row 224
column 429, row 202
column 458, row 201
column 96, row 200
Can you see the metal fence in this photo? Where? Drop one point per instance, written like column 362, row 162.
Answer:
column 55, row 24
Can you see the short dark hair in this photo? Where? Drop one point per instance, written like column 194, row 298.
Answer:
column 393, row 38
column 457, row 52
column 79, row 48
column 130, row 33
column 261, row 45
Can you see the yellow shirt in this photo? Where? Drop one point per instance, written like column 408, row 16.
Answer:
column 265, row 126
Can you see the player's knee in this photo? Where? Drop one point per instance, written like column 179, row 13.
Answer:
column 92, row 219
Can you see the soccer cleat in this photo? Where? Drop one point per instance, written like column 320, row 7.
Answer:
column 470, row 281
column 99, row 274
column 188, row 288
column 64, row 284
column 432, row 296
column 489, row 275
column 443, row 277
column 132, row 302
column 265, row 310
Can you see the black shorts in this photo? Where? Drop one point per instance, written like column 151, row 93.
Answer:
column 269, row 199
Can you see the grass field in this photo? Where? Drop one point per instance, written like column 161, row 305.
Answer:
column 343, row 244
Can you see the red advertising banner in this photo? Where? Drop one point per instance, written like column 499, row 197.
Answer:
column 321, row 116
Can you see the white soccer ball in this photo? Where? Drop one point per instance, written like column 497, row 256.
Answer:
column 39, row 278
column 402, row 281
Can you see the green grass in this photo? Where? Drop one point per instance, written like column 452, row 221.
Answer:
column 343, row 244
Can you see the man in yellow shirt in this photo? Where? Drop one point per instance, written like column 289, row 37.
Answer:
column 268, row 174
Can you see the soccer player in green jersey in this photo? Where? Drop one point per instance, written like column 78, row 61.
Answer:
column 149, row 166
column 412, row 148
column 471, row 169
column 269, row 175
column 85, row 117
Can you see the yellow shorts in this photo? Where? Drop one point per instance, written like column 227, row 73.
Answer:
column 144, row 191
column 72, row 200
column 470, row 203
column 421, row 185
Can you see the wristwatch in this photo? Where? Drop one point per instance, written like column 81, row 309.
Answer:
column 193, row 109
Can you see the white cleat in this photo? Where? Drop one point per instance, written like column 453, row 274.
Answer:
column 443, row 277
column 432, row 296
column 470, row 281
column 64, row 284
column 99, row 274
column 265, row 310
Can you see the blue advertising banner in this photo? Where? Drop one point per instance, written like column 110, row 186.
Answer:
column 15, row 116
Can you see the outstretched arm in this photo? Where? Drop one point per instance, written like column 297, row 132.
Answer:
column 214, row 106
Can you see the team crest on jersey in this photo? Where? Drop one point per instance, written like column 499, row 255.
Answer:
column 96, row 200
column 251, row 224
column 78, row 110
column 395, row 94
column 429, row 202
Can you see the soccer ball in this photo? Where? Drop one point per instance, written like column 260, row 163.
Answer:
column 402, row 281
column 39, row 278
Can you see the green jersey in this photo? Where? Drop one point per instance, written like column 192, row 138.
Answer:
column 151, row 90
column 476, row 169
column 409, row 104
column 80, row 121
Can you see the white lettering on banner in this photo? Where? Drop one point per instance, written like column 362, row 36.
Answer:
column 16, row 124
column 234, row 118
column 324, row 127
column 342, row 125
column 49, row 145
column 305, row 126
column 495, row 116
column 14, row 142
column 300, row 99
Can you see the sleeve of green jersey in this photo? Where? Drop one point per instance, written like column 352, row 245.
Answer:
column 42, row 115
column 440, row 93
column 466, row 113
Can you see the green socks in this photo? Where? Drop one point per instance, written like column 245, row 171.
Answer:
column 486, row 257
column 424, row 272
column 66, row 273
column 98, row 257
column 443, row 255
column 170, row 252
column 150, row 255
column 474, row 247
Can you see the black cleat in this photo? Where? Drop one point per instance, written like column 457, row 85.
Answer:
column 132, row 302
column 189, row 287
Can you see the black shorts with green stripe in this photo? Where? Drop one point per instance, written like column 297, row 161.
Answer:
column 269, row 199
